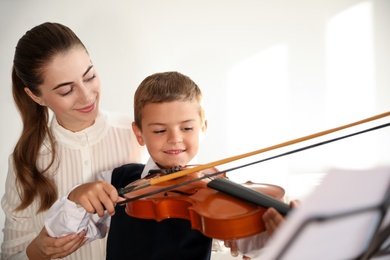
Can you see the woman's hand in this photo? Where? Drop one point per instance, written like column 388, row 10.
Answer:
column 46, row 247
column 95, row 197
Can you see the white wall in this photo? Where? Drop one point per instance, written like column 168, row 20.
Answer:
column 271, row 71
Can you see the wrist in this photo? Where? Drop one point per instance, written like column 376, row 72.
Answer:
column 70, row 196
column 34, row 253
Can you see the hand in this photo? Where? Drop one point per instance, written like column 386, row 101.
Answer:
column 232, row 244
column 272, row 219
column 95, row 197
column 46, row 247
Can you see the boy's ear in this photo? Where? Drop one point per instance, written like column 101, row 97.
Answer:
column 204, row 126
column 203, row 131
column 138, row 133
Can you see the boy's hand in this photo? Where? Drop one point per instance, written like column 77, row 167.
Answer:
column 272, row 219
column 95, row 197
column 232, row 244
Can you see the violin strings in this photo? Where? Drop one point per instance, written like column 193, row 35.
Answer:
column 185, row 172
column 249, row 164
column 237, row 157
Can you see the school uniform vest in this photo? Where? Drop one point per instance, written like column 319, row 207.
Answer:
column 134, row 238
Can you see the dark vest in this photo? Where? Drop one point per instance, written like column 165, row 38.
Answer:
column 133, row 238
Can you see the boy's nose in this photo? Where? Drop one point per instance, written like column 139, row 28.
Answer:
column 175, row 137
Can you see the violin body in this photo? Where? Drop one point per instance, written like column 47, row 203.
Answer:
column 213, row 213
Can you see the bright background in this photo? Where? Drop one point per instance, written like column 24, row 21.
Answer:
column 271, row 71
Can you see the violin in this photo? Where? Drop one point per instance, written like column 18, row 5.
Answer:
column 207, row 205
column 217, row 207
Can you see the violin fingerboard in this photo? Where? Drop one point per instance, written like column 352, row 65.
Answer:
column 249, row 195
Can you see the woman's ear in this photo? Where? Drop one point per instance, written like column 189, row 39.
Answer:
column 36, row 99
column 138, row 133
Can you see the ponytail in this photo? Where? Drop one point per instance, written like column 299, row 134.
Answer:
column 35, row 119
column 32, row 53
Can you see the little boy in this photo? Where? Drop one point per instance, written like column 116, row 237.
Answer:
column 169, row 120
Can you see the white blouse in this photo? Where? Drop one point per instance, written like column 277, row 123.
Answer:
column 81, row 156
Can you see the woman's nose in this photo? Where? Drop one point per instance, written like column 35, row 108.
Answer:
column 85, row 94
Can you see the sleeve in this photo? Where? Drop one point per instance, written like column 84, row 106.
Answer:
column 66, row 217
column 252, row 246
column 18, row 226
column 105, row 176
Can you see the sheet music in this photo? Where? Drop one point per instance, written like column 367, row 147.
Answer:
column 341, row 191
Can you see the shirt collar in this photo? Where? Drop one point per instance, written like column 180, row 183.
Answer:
column 151, row 165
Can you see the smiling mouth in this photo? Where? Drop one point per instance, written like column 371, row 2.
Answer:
column 174, row 151
column 87, row 109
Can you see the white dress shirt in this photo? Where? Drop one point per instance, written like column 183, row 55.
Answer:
column 107, row 144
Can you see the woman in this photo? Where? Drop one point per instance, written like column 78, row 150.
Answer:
column 52, row 70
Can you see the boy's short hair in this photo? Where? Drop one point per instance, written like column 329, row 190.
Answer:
column 165, row 87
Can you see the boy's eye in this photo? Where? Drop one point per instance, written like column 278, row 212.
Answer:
column 159, row 131
column 188, row 128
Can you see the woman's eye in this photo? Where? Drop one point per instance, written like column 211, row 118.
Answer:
column 63, row 94
column 90, row 78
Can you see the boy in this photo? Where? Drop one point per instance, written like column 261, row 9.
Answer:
column 169, row 120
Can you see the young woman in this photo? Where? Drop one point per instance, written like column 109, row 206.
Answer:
column 53, row 71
